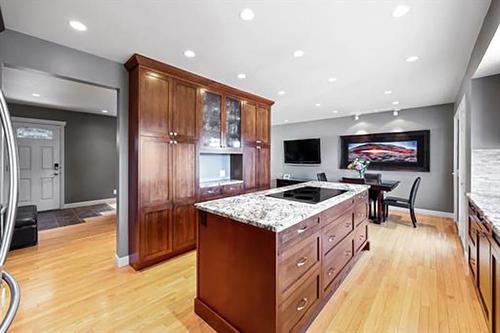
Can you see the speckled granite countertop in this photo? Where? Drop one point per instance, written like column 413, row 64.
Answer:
column 276, row 214
column 220, row 183
column 489, row 204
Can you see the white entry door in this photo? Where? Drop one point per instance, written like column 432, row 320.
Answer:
column 39, row 147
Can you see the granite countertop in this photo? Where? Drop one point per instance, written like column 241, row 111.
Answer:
column 276, row 214
column 489, row 205
column 220, row 183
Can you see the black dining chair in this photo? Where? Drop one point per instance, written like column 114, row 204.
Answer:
column 321, row 177
column 372, row 195
column 404, row 203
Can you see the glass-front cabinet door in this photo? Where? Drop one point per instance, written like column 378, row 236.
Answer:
column 233, row 127
column 212, row 129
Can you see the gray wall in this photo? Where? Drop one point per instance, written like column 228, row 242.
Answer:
column 90, row 154
column 17, row 49
column 488, row 29
column 436, row 189
column 485, row 115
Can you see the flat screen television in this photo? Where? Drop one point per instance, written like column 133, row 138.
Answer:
column 306, row 151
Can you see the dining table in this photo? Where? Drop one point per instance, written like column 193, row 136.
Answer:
column 377, row 191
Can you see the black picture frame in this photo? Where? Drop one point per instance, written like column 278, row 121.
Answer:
column 423, row 149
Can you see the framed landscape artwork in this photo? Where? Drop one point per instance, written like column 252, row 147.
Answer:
column 388, row 151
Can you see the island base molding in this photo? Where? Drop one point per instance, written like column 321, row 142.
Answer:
column 250, row 279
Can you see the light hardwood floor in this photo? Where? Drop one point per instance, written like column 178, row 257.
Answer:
column 412, row 280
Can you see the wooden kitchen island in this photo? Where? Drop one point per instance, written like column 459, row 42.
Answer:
column 268, row 264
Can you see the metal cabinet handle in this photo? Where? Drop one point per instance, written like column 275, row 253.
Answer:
column 175, row 133
column 258, row 141
column 331, row 271
column 302, row 304
column 347, row 253
column 258, row 147
column 302, row 261
column 171, row 133
column 348, row 225
column 301, row 230
column 331, row 238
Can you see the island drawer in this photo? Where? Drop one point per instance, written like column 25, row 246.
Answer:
column 335, row 260
column 298, row 232
column 360, row 236
column 336, row 231
column 210, row 192
column 360, row 212
column 362, row 197
column 297, row 260
column 330, row 215
column 303, row 299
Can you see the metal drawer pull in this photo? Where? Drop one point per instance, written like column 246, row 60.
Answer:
column 347, row 253
column 301, row 230
column 302, row 261
column 331, row 238
column 361, row 237
column 258, row 141
column 331, row 271
column 171, row 133
column 302, row 304
column 348, row 225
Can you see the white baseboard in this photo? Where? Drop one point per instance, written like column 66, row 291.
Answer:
column 424, row 212
column 89, row 203
column 121, row 261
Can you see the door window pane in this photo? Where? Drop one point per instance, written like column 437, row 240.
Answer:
column 233, row 123
column 211, row 120
column 34, row 133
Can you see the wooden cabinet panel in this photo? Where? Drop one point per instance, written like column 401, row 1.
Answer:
column 248, row 123
column 495, row 268
column 263, row 168
column 154, row 102
column 183, row 171
column 263, row 126
column 184, row 224
column 155, row 234
column 484, row 274
column 249, row 167
column 360, row 212
column 360, row 236
column 153, row 172
column 336, row 231
column 336, row 259
column 183, row 115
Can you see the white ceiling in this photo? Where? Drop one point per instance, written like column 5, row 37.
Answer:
column 490, row 64
column 31, row 87
column 358, row 42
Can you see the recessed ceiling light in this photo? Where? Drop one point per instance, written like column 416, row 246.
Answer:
column 388, row 92
column 356, row 117
column 247, row 14
column 401, row 10
column 189, row 54
column 395, row 103
column 242, row 76
column 104, row 111
column 281, row 92
column 335, row 111
column 332, row 79
column 78, row 26
column 35, row 94
column 317, row 104
column 395, row 113
column 412, row 59
column 298, row 53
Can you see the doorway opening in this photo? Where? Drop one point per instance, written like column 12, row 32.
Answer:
column 460, row 171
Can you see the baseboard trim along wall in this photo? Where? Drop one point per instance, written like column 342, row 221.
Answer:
column 425, row 212
column 89, row 203
column 121, row 261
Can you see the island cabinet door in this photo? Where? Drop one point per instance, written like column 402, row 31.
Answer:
column 496, row 287
column 484, row 272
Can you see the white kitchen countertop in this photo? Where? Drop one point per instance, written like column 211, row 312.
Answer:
column 273, row 213
column 489, row 205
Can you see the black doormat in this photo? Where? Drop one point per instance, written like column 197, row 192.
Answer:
column 63, row 217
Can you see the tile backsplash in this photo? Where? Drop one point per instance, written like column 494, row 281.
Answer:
column 485, row 171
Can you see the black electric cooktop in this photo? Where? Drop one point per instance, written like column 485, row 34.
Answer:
column 308, row 194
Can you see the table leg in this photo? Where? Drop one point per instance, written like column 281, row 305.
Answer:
column 380, row 207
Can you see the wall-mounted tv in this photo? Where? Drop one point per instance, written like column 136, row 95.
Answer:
column 388, row 151
column 306, row 151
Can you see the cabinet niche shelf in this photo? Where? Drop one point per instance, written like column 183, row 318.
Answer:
column 174, row 116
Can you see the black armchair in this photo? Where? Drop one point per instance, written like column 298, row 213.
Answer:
column 321, row 177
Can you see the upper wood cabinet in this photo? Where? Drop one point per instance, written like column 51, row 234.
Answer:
column 154, row 103
column 173, row 115
column 183, row 115
column 263, row 126
column 249, row 124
